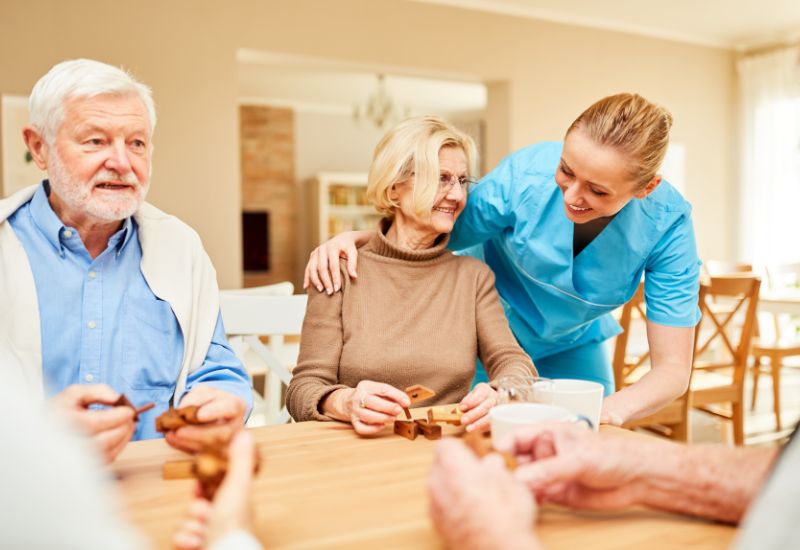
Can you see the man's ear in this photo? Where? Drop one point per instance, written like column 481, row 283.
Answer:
column 36, row 146
column 649, row 188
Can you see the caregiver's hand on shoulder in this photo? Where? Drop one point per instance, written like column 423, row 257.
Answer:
column 476, row 405
column 369, row 406
column 322, row 269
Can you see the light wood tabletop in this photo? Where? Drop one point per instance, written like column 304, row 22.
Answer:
column 322, row 486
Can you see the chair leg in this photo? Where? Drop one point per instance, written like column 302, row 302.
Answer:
column 756, row 375
column 680, row 432
column 776, row 390
column 738, row 424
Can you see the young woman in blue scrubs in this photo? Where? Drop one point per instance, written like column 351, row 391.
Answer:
column 569, row 229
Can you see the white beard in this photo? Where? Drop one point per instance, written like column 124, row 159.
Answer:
column 77, row 196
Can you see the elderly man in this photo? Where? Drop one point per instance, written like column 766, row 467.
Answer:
column 479, row 504
column 102, row 293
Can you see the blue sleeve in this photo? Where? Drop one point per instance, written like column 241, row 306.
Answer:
column 672, row 277
column 221, row 369
column 489, row 208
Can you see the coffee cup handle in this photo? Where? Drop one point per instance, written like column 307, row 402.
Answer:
column 582, row 418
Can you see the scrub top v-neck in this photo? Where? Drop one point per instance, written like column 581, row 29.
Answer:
column 554, row 301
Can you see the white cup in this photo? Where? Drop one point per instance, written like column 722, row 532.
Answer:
column 580, row 397
column 510, row 417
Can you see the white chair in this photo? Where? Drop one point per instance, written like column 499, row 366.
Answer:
column 248, row 315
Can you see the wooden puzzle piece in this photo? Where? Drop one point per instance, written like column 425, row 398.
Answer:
column 450, row 414
column 418, row 392
column 406, row 428
column 430, row 431
column 123, row 401
column 481, row 445
column 172, row 419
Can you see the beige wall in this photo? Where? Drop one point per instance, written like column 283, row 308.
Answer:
column 185, row 49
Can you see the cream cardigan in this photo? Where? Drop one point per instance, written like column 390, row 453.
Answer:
column 174, row 264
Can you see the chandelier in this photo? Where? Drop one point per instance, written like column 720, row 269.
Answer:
column 380, row 109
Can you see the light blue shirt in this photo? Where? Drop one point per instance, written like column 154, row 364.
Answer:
column 555, row 302
column 101, row 323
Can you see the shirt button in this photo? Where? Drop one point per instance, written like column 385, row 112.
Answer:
column 89, row 377
column 68, row 233
column 91, row 324
column 92, row 274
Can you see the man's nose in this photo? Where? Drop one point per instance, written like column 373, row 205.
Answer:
column 118, row 159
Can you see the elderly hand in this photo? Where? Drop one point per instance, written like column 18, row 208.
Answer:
column 221, row 412
column 569, row 465
column 231, row 510
column 476, row 405
column 110, row 429
column 322, row 269
column 476, row 503
column 369, row 406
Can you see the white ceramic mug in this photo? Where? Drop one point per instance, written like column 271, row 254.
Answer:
column 510, row 417
column 580, row 397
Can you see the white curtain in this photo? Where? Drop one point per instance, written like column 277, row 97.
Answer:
column 769, row 198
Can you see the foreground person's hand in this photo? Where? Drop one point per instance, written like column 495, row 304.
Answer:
column 368, row 407
column 221, row 412
column 567, row 464
column 110, row 429
column 476, row 405
column 476, row 503
column 231, row 512
column 322, row 270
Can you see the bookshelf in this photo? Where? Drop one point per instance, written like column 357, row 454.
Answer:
column 338, row 202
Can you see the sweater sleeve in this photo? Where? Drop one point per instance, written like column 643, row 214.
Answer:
column 317, row 371
column 498, row 350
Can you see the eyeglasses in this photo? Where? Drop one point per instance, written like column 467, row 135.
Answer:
column 445, row 180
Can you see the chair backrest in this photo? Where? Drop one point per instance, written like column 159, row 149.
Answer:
column 714, row 268
column 625, row 360
column 727, row 332
column 249, row 316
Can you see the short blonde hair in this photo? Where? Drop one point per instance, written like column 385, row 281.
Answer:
column 412, row 149
column 636, row 127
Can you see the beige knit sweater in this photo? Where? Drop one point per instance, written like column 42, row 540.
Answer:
column 411, row 317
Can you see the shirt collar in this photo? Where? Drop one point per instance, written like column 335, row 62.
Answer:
column 57, row 233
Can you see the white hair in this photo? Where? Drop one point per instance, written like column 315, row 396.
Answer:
column 80, row 78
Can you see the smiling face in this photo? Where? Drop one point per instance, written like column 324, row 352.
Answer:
column 99, row 162
column 595, row 179
column 448, row 204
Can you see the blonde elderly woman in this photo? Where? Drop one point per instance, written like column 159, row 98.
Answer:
column 417, row 314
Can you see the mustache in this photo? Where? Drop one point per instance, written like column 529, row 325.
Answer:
column 110, row 176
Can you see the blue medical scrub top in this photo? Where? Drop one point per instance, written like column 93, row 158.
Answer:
column 555, row 302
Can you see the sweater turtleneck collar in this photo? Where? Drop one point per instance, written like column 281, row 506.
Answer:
column 383, row 247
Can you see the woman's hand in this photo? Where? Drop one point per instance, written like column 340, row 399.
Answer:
column 476, row 405
column 322, row 269
column 368, row 407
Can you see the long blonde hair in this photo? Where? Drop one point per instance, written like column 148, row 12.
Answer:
column 412, row 149
column 633, row 125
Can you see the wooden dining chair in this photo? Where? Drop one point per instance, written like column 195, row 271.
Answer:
column 257, row 325
column 777, row 340
column 631, row 362
column 722, row 347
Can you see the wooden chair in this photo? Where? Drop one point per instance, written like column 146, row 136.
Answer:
column 721, row 381
column 248, row 317
column 778, row 341
column 631, row 363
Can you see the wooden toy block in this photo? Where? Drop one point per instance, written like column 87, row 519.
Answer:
column 123, row 401
column 178, row 469
column 430, row 431
column 447, row 414
column 481, row 445
column 418, row 392
column 406, row 428
column 172, row 419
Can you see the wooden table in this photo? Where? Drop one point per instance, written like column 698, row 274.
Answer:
column 780, row 302
column 321, row 486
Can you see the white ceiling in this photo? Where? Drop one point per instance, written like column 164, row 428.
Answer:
column 737, row 24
